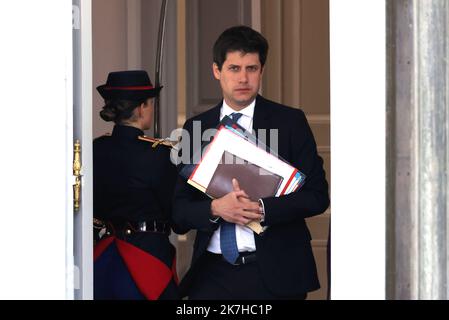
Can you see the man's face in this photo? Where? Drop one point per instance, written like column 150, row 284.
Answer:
column 239, row 78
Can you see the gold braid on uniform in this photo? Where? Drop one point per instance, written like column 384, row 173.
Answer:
column 155, row 142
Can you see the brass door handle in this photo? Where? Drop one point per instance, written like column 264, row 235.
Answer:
column 77, row 175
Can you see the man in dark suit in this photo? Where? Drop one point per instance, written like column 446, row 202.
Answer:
column 278, row 263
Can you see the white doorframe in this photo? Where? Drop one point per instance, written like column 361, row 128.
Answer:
column 83, row 234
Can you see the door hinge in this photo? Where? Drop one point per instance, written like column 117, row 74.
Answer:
column 77, row 175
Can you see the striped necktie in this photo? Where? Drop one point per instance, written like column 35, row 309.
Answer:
column 228, row 240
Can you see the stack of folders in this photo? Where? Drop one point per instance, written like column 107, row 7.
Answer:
column 234, row 153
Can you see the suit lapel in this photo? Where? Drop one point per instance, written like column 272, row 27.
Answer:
column 261, row 114
column 212, row 118
column 261, row 119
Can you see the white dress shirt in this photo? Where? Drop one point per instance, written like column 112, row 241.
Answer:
column 244, row 235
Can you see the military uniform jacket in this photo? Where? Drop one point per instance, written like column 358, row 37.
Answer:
column 134, row 182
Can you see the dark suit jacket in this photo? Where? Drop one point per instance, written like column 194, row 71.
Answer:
column 284, row 254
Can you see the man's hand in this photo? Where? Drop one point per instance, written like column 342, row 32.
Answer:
column 236, row 186
column 236, row 207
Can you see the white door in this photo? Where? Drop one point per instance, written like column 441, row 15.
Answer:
column 36, row 217
column 82, row 131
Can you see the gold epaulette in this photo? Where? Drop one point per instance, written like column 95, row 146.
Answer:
column 155, row 142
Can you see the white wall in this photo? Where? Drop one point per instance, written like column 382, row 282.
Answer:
column 358, row 58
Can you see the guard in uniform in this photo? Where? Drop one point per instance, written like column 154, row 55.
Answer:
column 133, row 188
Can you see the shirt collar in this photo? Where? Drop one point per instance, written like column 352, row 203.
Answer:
column 248, row 111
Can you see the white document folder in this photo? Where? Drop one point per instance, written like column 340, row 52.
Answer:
column 227, row 139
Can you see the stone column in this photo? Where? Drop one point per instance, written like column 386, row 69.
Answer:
column 417, row 161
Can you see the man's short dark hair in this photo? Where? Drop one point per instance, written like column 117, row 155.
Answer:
column 240, row 38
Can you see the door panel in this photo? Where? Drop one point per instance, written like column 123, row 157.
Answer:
column 205, row 20
column 297, row 74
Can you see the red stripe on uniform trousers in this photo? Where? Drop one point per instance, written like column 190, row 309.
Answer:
column 149, row 273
